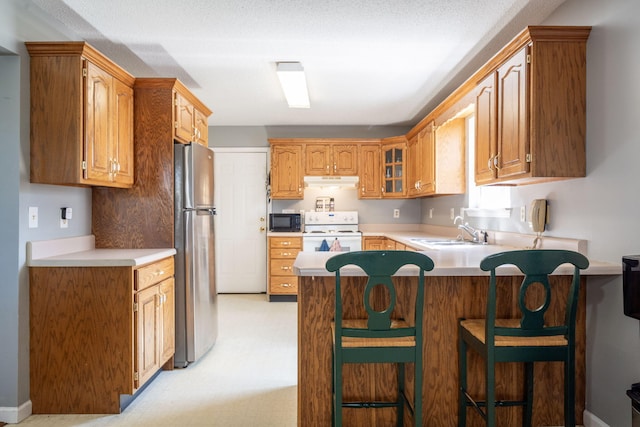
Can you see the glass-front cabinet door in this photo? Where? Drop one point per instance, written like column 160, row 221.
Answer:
column 394, row 171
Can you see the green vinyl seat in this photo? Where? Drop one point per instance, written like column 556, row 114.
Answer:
column 527, row 338
column 381, row 335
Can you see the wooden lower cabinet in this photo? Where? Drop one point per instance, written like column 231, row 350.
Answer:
column 282, row 254
column 97, row 333
column 374, row 243
column 378, row 243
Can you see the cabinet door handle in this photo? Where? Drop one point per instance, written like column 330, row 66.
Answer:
column 335, row 167
column 496, row 162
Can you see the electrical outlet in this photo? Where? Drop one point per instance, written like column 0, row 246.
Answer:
column 430, row 213
column 396, row 213
column 523, row 214
column 453, row 213
column 33, row 217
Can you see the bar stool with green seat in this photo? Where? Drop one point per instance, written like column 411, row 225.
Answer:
column 525, row 339
column 379, row 337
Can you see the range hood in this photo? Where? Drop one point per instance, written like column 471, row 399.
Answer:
column 331, row 181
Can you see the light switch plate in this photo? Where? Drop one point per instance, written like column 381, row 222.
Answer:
column 33, row 217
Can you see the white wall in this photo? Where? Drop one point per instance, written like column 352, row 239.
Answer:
column 603, row 208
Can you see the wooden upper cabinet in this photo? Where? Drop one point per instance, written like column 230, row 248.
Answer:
column 190, row 119
column 317, row 159
column 99, row 123
column 124, row 133
column 326, row 158
column 449, row 167
column 345, row 159
column 185, row 119
column 393, row 159
column 202, row 128
column 513, row 129
column 81, row 116
column 531, row 109
column 436, row 158
column 486, row 141
column 421, row 162
column 286, row 171
column 370, row 171
column 427, row 178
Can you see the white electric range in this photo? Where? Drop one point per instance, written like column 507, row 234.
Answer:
column 331, row 231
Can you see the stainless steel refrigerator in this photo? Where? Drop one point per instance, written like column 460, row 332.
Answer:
column 196, row 296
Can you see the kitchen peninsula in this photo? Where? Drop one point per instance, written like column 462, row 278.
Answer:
column 455, row 288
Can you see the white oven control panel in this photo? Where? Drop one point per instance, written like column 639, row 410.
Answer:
column 336, row 217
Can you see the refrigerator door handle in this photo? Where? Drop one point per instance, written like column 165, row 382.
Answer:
column 209, row 211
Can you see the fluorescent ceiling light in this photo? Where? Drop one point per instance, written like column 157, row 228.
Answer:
column 294, row 84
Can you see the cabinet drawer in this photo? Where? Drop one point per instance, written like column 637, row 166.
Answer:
column 153, row 273
column 281, row 267
column 285, row 242
column 283, row 285
column 284, row 252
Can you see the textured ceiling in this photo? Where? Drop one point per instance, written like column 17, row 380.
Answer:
column 368, row 62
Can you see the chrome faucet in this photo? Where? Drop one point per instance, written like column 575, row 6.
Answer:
column 477, row 236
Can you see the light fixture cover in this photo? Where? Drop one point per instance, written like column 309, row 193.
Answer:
column 294, row 84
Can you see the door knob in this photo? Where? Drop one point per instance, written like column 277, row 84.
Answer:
column 261, row 228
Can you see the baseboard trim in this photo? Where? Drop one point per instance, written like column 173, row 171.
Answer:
column 591, row 420
column 15, row 415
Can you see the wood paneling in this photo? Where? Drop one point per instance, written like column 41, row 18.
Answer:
column 446, row 300
column 142, row 217
column 76, row 331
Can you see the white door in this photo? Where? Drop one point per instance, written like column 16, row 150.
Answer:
column 240, row 177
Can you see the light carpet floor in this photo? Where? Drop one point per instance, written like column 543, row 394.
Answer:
column 249, row 378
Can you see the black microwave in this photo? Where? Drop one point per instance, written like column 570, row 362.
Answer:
column 285, row 222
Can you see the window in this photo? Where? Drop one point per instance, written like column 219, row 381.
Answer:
column 486, row 200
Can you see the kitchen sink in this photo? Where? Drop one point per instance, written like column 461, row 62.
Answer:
column 444, row 242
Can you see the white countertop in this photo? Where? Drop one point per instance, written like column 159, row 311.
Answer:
column 456, row 260
column 81, row 252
